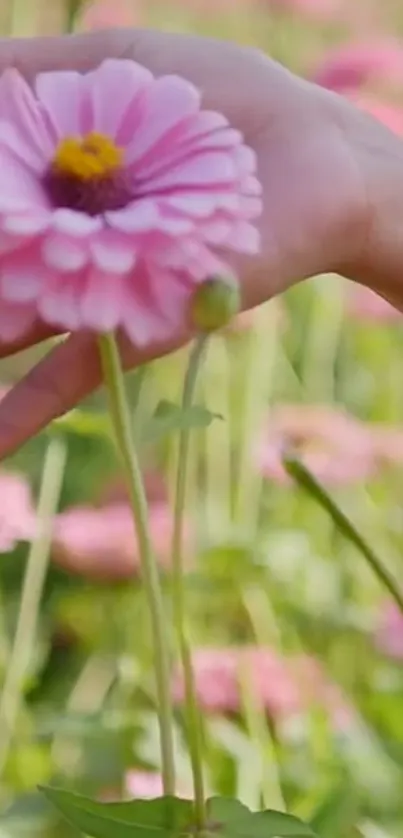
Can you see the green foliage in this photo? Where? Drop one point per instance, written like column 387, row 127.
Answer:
column 167, row 817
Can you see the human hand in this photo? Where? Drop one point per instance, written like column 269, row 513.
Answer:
column 314, row 161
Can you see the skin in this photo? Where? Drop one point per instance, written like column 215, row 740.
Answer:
column 330, row 174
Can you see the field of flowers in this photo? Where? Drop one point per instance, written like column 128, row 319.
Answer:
column 296, row 634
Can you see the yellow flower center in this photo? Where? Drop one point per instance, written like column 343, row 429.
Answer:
column 91, row 158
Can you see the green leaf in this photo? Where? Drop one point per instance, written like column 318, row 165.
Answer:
column 166, row 816
column 170, row 816
column 84, row 423
column 234, row 820
column 337, row 814
column 308, row 482
column 169, row 418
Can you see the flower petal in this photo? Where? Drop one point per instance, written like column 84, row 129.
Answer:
column 138, row 217
column 74, row 223
column 103, row 301
column 22, row 278
column 63, row 95
column 212, row 169
column 115, row 257
column 27, row 136
column 19, row 188
column 15, row 321
column 169, row 100
column 59, row 302
column 113, row 88
column 63, row 254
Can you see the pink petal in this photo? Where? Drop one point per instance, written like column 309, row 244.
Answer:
column 216, row 232
column 168, row 101
column 138, row 217
column 170, row 305
column 200, row 204
column 102, row 301
column 140, row 319
column 251, row 186
column 74, row 223
column 15, row 321
column 63, row 254
column 20, row 189
column 211, row 169
column 244, row 238
column 63, row 95
column 116, row 257
column 25, row 224
column 29, row 137
column 245, row 160
column 59, row 303
column 177, row 150
column 22, row 278
column 112, row 89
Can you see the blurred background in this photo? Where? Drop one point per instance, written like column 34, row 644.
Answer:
column 298, row 650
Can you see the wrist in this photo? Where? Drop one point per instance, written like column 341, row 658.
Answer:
column 377, row 257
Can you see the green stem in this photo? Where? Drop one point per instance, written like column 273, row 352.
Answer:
column 120, row 415
column 193, row 716
column 34, row 579
column 307, row 481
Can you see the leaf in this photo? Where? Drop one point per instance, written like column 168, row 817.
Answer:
column 84, row 423
column 298, row 471
column 337, row 814
column 234, row 820
column 170, row 816
column 169, row 417
column 166, row 816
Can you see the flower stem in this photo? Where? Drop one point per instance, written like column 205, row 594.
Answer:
column 35, row 574
column 120, row 415
column 193, row 716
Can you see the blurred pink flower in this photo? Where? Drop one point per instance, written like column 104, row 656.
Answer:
column 147, row 785
column 283, row 686
column 117, row 192
column 354, row 66
column 389, row 632
column 101, row 543
column 105, row 14
column 319, row 9
column 336, row 447
column 17, row 515
column 364, row 304
column 115, row 490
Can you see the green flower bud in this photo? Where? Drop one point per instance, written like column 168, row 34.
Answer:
column 215, row 303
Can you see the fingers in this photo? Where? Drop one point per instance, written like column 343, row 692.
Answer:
column 233, row 79
column 66, row 52
column 37, row 333
column 66, row 376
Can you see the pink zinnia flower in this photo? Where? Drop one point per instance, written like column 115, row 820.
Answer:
column 349, row 68
column 389, row 632
column 364, row 304
column 283, row 686
column 116, row 191
column 101, row 543
column 337, row 448
column 17, row 515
